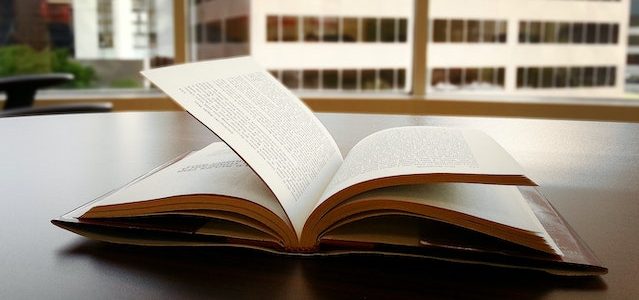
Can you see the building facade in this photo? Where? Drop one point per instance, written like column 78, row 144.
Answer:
column 123, row 29
column 506, row 47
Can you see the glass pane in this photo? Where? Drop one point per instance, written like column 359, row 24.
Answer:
column 457, row 31
column 103, row 45
column 369, row 29
column 471, row 77
column 272, row 28
column 473, row 31
column 550, row 33
column 402, row 30
column 368, row 81
column 311, row 79
column 489, row 31
column 604, row 33
column 386, row 79
column 591, row 33
column 440, row 31
column 311, row 29
column 349, row 79
column 330, row 79
column 523, row 32
column 290, row 28
column 438, row 78
column 455, row 77
column 291, row 78
column 561, row 77
column 387, row 30
column 534, row 31
column 214, row 32
column 564, row 32
column 331, row 29
column 350, row 30
column 578, row 30
column 236, row 29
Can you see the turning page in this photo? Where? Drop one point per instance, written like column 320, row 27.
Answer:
column 264, row 123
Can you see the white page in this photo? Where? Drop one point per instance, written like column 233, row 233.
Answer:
column 268, row 126
column 213, row 170
column 419, row 150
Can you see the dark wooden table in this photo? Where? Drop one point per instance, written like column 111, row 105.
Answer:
column 49, row 165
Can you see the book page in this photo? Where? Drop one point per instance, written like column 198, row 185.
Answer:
column 213, row 170
column 269, row 127
column 422, row 150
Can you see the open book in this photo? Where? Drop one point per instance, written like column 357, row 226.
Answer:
column 279, row 183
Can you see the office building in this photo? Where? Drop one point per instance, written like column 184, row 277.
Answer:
column 123, row 29
column 516, row 47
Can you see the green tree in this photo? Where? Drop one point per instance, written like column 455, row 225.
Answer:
column 22, row 59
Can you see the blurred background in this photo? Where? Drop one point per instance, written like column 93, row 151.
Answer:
column 342, row 55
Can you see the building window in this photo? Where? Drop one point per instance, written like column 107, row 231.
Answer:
column 291, row 79
column 105, row 24
column 330, row 29
column 336, row 29
column 236, row 29
column 469, row 31
column 311, row 29
column 387, row 30
column 330, row 79
column 345, row 80
column 479, row 78
column 290, row 31
column 369, row 29
column 273, row 28
column 564, row 32
column 214, row 32
column 350, row 30
column 349, row 80
column 562, row 77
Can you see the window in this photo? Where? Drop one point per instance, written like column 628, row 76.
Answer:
column 290, row 29
column 440, row 31
column 236, row 29
column 369, row 29
column 330, row 79
column 350, row 30
column 291, row 78
column 331, row 29
column 473, row 31
column 561, row 77
column 387, row 30
column 311, row 79
column 349, row 80
column 311, row 29
column 457, row 31
column 467, row 79
column 214, row 32
column 272, row 28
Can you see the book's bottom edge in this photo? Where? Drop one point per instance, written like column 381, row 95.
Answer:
column 153, row 239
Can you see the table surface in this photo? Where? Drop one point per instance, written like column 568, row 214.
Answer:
column 52, row 164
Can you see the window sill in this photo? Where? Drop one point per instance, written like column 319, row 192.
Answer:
column 613, row 109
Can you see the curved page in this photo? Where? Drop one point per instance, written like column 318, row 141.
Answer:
column 214, row 170
column 269, row 127
column 418, row 150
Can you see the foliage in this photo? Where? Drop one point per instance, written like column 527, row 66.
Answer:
column 22, row 59
column 125, row 83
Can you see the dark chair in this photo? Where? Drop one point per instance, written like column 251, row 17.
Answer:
column 21, row 91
